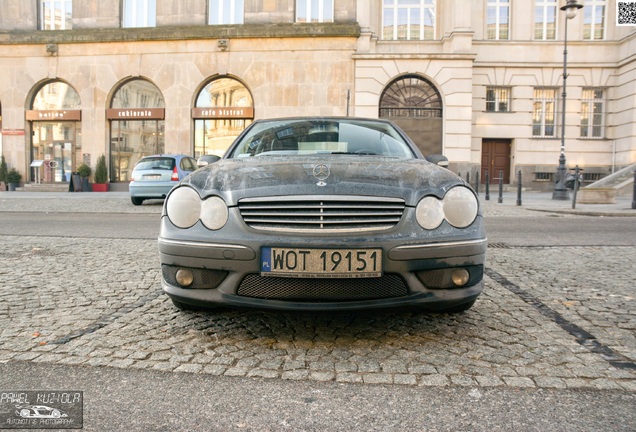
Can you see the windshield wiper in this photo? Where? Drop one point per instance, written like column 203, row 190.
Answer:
column 360, row 153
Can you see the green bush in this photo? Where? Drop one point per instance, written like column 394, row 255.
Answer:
column 101, row 172
column 13, row 176
column 84, row 170
column 3, row 169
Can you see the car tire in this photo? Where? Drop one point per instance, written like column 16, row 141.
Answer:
column 137, row 201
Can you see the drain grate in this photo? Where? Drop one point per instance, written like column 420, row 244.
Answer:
column 499, row 245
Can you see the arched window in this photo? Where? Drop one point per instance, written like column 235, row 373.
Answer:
column 414, row 104
column 410, row 96
column 223, row 108
column 136, row 126
column 56, row 137
column 56, row 95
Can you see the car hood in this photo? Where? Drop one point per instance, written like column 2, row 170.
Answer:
column 409, row 179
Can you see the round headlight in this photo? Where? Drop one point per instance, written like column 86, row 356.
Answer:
column 214, row 213
column 429, row 213
column 460, row 207
column 183, row 207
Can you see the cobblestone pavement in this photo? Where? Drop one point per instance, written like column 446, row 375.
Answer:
column 538, row 324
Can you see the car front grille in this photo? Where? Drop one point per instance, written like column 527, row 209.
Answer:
column 309, row 289
column 321, row 213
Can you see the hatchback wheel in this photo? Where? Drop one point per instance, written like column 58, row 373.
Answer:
column 137, row 201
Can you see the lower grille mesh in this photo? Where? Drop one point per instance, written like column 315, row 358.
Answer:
column 293, row 289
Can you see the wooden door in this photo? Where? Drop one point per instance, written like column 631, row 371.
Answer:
column 495, row 157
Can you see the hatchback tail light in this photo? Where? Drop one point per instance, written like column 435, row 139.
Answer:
column 175, row 175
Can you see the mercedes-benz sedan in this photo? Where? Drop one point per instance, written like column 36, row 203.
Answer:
column 323, row 214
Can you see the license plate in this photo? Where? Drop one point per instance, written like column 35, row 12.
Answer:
column 152, row 177
column 321, row 263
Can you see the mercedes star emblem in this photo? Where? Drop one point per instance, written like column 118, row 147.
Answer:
column 321, row 172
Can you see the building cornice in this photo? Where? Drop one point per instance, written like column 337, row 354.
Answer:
column 415, row 56
column 295, row 30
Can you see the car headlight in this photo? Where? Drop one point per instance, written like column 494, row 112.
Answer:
column 214, row 213
column 183, row 207
column 429, row 213
column 459, row 207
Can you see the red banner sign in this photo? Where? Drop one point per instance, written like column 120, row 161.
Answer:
column 9, row 132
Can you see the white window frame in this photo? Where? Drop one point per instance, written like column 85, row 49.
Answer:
column 502, row 100
column 53, row 21
column 541, row 10
column 498, row 5
column 589, row 112
column 424, row 8
column 131, row 18
column 217, row 10
column 590, row 15
column 548, row 105
column 325, row 11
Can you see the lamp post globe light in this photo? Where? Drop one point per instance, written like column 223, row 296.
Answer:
column 560, row 191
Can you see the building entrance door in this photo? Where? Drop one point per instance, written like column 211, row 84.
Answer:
column 54, row 143
column 58, row 164
column 495, row 158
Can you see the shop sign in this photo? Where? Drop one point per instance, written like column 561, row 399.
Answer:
column 12, row 132
column 223, row 113
column 42, row 115
column 136, row 114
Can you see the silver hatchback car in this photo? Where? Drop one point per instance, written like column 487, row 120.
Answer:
column 154, row 176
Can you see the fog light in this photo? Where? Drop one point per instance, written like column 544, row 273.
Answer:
column 184, row 277
column 460, row 277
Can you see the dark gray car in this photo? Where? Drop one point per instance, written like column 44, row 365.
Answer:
column 323, row 214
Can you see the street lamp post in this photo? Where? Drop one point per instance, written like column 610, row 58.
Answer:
column 560, row 191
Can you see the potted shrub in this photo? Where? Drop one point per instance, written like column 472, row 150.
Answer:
column 84, row 172
column 3, row 173
column 101, row 175
column 13, row 178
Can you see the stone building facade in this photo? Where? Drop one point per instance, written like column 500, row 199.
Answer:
column 477, row 80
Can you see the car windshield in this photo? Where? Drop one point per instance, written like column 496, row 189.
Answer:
column 155, row 163
column 321, row 136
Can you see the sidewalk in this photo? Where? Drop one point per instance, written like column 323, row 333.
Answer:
column 543, row 202
column 119, row 202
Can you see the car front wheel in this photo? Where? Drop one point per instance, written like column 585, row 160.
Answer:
column 137, row 201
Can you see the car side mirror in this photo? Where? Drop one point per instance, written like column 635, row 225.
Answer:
column 438, row 159
column 206, row 160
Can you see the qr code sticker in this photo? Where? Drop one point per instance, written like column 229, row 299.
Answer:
column 626, row 13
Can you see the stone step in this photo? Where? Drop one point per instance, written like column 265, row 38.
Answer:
column 43, row 187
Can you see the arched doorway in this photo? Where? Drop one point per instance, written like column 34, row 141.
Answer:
column 137, row 126
column 55, row 123
column 223, row 108
column 415, row 105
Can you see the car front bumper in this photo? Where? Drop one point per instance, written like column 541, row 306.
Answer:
column 419, row 266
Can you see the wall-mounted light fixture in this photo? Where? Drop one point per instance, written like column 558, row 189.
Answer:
column 51, row 49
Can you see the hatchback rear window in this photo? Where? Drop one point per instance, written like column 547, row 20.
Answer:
column 155, row 163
